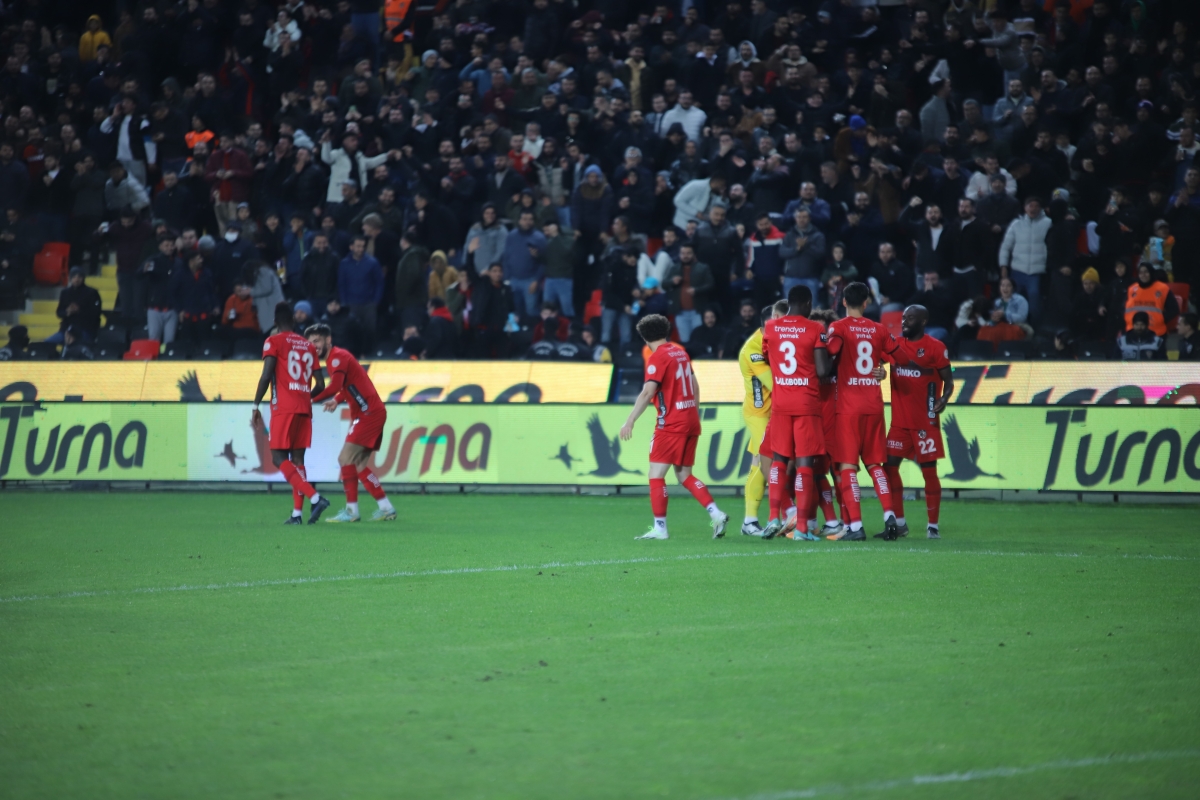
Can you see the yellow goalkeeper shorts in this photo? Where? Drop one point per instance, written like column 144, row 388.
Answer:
column 758, row 428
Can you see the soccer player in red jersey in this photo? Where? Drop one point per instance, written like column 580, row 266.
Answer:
column 349, row 382
column 822, row 466
column 922, row 385
column 288, row 362
column 675, row 393
column 859, row 345
column 794, row 346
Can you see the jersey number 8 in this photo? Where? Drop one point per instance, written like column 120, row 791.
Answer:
column 865, row 361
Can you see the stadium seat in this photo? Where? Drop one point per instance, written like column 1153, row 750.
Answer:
column 386, row 350
column 108, row 352
column 43, row 351
column 890, row 318
column 50, row 268
column 176, row 351
column 1181, row 292
column 975, row 350
column 247, row 350
column 594, row 307
column 1092, row 351
column 140, row 332
column 629, row 385
column 210, row 350
column 113, row 334
column 629, row 358
column 1014, row 351
column 142, row 350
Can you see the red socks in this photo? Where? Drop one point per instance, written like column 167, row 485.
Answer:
column 895, row 488
column 297, row 481
column 374, row 487
column 297, row 498
column 851, row 498
column 880, row 479
column 775, row 490
column 658, row 497
column 350, row 483
column 933, row 492
column 806, row 496
column 826, row 497
column 698, row 490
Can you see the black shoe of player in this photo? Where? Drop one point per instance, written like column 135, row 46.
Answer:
column 851, row 536
column 891, row 530
column 294, row 521
column 315, row 513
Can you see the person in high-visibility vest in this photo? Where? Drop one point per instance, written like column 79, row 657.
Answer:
column 394, row 22
column 1152, row 296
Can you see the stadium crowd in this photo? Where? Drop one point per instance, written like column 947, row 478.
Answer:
column 529, row 178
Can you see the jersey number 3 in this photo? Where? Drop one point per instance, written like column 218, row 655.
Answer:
column 789, row 357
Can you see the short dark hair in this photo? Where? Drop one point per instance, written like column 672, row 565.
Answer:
column 1141, row 316
column 1190, row 319
column 767, row 312
column 856, row 294
column 799, row 295
column 437, row 302
column 654, row 328
column 284, row 314
column 319, row 329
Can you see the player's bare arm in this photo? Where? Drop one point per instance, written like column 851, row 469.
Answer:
column 264, row 383
column 823, row 361
column 947, row 376
column 639, row 406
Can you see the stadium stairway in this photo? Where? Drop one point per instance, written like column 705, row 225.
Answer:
column 39, row 315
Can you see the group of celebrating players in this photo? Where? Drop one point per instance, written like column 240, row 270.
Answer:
column 814, row 408
column 292, row 367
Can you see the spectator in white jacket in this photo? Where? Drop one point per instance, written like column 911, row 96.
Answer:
column 348, row 164
column 1023, row 253
column 980, row 185
column 283, row 22
column 694, row 198
column 689, row 116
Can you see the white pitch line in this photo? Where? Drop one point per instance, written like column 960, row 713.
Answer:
column 370, row 576
column 972, row 775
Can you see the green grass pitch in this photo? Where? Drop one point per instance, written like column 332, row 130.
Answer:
column 163, row 645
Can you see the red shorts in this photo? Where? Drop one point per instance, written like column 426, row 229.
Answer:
column 764, row 449
column 797, row 437
column 676, row 449
column 291, row 431
column 919, row 444
column 859, row 435
column 829, row 425
column 367, row 430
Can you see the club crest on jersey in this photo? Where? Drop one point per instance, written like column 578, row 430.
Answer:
column 266, row 346
column 921, row 434
column 650, row 370
column 337, row 361
column 920, row 352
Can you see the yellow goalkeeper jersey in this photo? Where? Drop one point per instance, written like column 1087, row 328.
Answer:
column 756, row 377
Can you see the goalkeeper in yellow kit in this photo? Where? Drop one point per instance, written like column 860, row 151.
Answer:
column 756, row 411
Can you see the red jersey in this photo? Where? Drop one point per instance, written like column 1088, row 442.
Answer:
column 349, row 381
column 862, row 344
column 790, row 345
column 670, row 367
column 295, row 358
column 916, row 384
